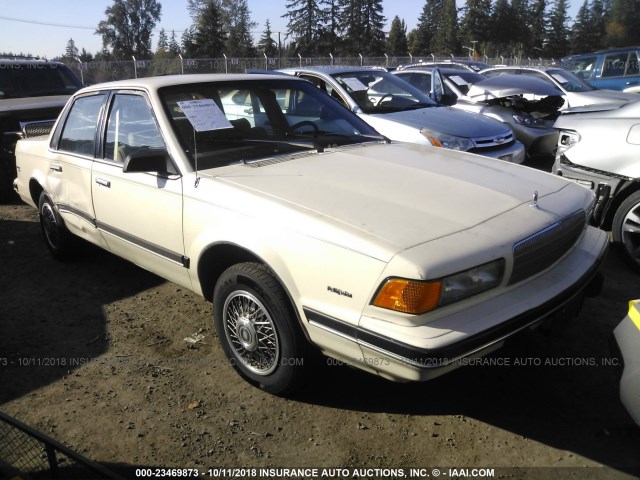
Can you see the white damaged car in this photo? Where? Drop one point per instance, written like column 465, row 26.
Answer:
column 307, row 229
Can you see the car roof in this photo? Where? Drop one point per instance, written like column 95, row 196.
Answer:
column 472, row 65
column 538, row 68
column 154, row 83
column 333, row 69
column 430, row 68
column 26, row 61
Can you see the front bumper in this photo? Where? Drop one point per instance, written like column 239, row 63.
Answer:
column 627, row 335
column 514, row 153
column 477, row 330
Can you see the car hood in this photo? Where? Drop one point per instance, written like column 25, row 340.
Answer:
column 607, row 98
column 445, row 120
column 32, row 103
column 383, row 199
column 502, row 86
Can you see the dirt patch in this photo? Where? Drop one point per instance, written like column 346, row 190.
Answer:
column 95, row 356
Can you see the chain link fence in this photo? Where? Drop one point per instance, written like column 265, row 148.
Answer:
column 97, row 72
column 28, row 454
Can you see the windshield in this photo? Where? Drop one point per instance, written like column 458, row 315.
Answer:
column 35, row 79
column 464, row 79
column 569, row 81
column 251, row 120
column 381, row 92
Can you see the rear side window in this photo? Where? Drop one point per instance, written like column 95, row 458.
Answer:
column 79, row 132
column 615, row 64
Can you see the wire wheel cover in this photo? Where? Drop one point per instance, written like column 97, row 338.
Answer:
column 251, row 333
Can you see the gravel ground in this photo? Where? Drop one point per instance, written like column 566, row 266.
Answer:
column 93, row 354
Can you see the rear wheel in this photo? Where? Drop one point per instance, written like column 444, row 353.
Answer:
column 61, row 243
column 626, row 228
column 257, row 329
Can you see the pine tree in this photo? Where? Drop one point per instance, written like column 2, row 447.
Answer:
column 599, row 14
column 71, row 51
column 329, row 39
column 397, row 44
column 163, row 42
column 474, row 25
column 174, row 47
column 236, row 21
column 580, row 35
column 209, row 38
column 427, row 26
column 537, row 29
column 623, row 25
column 267, row 45
column 305, row 22
column 557, row 30
column 445, row 40
column 501, row 23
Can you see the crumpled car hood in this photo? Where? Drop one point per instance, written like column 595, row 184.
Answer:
column 391, row 197
column 502, row 86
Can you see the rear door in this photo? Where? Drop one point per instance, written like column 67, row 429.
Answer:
column 73, row 149
column 139, row 214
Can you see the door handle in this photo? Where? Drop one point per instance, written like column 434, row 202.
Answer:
column 55, row 168
column 103, row 182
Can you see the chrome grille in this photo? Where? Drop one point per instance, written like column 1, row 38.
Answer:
column 35, row 129
column 493, row 141
column 542, row 249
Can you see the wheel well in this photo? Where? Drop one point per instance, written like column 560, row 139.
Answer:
column 624, row 193
column 216, row 259
column 35, row 189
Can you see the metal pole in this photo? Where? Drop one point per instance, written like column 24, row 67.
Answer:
column 181, row 64
column 135, row 67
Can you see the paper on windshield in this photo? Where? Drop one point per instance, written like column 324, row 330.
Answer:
column 354, row 84
column 204, row 115
column 458, row 80
column 559, row 78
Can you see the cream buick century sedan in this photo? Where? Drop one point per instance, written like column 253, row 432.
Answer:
column 305, row 228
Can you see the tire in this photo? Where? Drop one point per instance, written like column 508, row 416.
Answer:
column 61, row 243
column 6, row 182
column 626, row 228
column 270, row 356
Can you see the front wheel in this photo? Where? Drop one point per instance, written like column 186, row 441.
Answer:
column 60, row 242
column 626, row 228
column 258, row 331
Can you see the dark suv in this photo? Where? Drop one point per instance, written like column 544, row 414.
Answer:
column 32, row 94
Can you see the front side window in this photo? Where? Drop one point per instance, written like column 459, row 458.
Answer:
column 79, row 132
column 130, row 127
column 583, row 67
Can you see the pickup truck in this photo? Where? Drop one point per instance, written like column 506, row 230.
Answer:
column 32, row 94
column 308, row 230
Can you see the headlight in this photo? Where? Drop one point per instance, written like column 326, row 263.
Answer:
column 447, row 141
column 527, row 120
column 417, row 297
column 566, row 140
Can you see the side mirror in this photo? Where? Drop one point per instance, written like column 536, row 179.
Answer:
column 149, row 160
column 448, row 99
